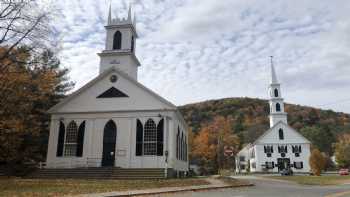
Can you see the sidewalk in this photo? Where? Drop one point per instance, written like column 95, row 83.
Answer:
column 214, row 184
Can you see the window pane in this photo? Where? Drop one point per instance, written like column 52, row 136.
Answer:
column 150, row 148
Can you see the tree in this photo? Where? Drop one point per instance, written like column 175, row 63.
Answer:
column 317, row 162
column 23, row 23
column 321, row 138
column 210, row 142
column 28, row 92
column 342, row 151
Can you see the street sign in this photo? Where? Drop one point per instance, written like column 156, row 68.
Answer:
column 228, row 151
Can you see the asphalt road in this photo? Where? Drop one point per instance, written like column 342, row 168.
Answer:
column 272, row 188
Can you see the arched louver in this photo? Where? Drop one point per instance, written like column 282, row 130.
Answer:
column 139, row 138
column 132, row 44
column 60, row 143
column 117, row 41
column 276, row 92
column 160, row 137
column 80, row 140
column 281, row 134
column 278, row 107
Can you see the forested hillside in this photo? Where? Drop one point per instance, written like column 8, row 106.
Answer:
column 250, row 119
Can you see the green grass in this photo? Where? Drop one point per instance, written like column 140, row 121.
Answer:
column 315, row 180
column 40, row 187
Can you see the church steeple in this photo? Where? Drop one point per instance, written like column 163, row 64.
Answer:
column 120, row 45
column 277, row 112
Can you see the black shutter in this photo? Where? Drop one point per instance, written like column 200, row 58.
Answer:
column 271, row 149
column 301, row 165
column 80, row 140
column 273, row 164
column 265, row 149
column 299, row 149
column 139, row 138
column 160, row 137
column 293, row 149
column 279, row 149
column 60, row 142
column 177, row 143
column 286, row 149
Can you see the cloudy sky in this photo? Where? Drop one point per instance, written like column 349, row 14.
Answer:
column 196, row 50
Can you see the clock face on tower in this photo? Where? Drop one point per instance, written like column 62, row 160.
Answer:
column 113, row 78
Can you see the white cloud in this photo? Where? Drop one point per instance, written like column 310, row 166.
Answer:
column 196, row 50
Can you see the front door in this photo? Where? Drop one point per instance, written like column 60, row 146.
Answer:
column 283, row 163
column 109, row 141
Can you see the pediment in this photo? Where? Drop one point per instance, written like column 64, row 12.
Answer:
column 291, row 136
column 105, row 95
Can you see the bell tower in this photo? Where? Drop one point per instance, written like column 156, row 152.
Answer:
column 276, row 102
column 120, row 45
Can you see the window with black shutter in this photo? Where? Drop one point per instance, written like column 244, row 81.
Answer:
column 160, row 137
column 139, row 138
column 80, row 145
column 60, row 143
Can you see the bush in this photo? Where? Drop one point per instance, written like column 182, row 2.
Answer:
column 317, row 162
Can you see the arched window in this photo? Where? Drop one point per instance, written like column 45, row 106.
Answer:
column 177, row 142
column 150, row 138
column 70, row 145
column 117, row 41
column 132, row 44
column 139, row 138
column 60, row 143
column 276, row 92
column 80, row 140
column 160, row 136
column 281, row 134
column 278, row 107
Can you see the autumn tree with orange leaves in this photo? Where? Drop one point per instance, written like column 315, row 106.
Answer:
column 27, row 92
column 209, row 143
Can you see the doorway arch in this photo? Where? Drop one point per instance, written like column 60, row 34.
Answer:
column 109, row 142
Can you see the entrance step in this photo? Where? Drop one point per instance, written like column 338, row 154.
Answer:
column 100, row 173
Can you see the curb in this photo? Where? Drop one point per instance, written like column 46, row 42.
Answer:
column 183, row 190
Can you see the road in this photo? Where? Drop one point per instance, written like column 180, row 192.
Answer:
column 274, row 188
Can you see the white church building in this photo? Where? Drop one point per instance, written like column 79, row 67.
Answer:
column 279, row 147
column 115, row 121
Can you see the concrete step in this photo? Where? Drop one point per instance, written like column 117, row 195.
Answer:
column 100, row 173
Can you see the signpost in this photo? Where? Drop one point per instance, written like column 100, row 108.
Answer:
column 228, row 151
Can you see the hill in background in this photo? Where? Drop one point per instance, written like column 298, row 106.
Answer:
column 251, row 119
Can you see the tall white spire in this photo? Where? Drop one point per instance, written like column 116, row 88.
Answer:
column 277, row 113
column 110, row 14
column 273, row 72
column 129, row 13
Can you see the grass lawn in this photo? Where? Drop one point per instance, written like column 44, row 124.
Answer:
column 37, row 187
column 315, row 180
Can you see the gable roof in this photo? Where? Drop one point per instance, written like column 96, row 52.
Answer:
column 100, row 77
column 272, row 128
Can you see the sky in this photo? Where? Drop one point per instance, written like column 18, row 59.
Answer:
column 197, row 50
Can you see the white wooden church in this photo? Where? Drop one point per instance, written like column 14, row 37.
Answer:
column 115, row 121
column 279, row 147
